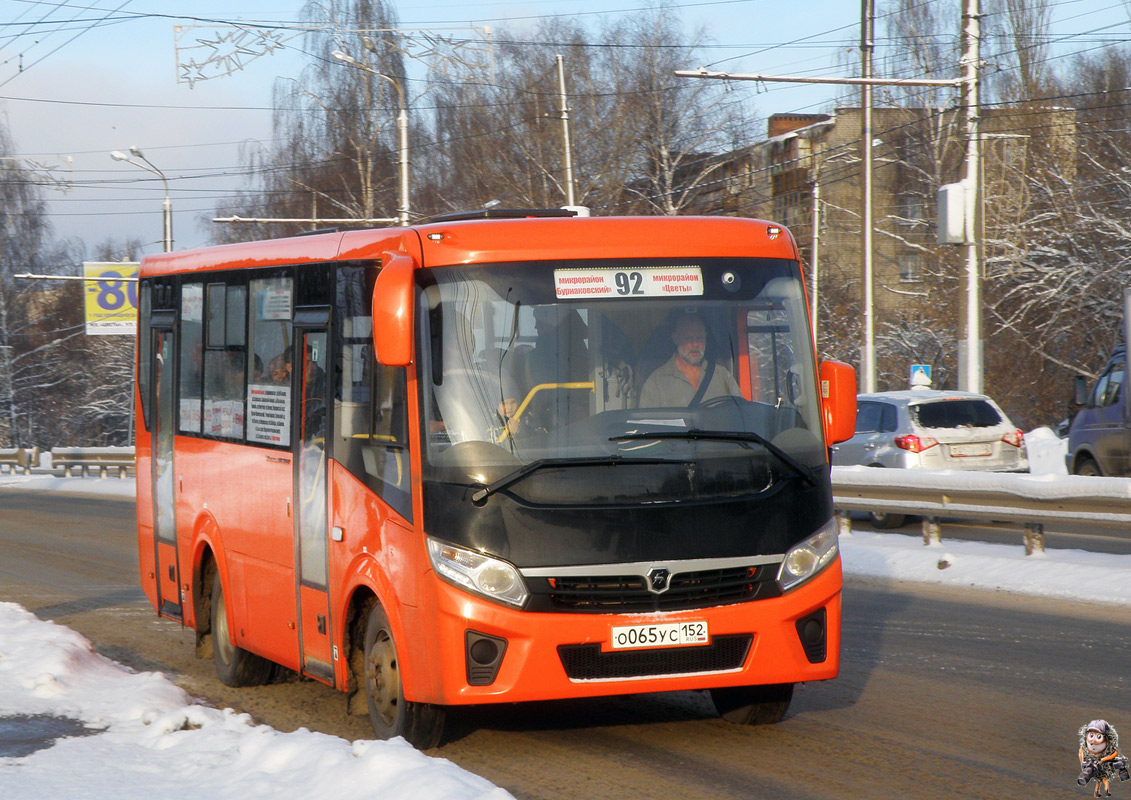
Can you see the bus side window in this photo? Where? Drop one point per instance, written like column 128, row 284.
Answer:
column 145, row 347
column 191, row 357
column 386, row 453
column 370, row 400
column 224, row 360
column 270, row 361
column 768, row 349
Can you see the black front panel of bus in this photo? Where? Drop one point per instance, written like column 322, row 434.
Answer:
column 528, row 535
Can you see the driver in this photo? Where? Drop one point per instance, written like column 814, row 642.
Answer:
column 679, row 382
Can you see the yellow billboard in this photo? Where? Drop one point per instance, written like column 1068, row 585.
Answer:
column 110, row 292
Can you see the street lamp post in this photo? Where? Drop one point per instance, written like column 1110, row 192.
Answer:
column 166, row 207
column 402, row 132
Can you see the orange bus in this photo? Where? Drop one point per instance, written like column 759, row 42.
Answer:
column 499, row 456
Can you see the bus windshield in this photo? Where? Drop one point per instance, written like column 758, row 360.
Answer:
column 522, row 365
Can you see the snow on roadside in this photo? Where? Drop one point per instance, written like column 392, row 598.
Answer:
column 156, row 743
column 110, row 487
column 1046, row 452
column 1059, row 573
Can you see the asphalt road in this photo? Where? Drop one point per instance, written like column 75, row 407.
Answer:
column 942, row 693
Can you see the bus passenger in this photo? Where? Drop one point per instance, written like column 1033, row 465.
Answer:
column 679, row 382
column 279, row 368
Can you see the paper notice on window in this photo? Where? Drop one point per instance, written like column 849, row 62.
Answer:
column 192, row 302
column 275, row 304
column 269, row 414
column 189, row 416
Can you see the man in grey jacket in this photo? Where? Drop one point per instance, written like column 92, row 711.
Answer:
column 678, row 381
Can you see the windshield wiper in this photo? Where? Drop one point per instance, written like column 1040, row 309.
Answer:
column 596, row 461
column 805, row 473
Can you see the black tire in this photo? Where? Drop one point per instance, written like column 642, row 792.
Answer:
column 421, row 724
column 234, row 665
column 1086, row 466
column 753, row 705
column 885, row 521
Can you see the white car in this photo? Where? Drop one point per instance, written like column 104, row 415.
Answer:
column 928, row 429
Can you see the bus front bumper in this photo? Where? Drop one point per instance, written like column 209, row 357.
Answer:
column 489, row 653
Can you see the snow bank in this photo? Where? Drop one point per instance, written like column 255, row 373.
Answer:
column 1046, row 452
column 110, row 487
column 1060, row 573
column 156, row 743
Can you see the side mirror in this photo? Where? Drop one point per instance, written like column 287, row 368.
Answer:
column 838, row 401
column 1080, row 387
column 393, row 297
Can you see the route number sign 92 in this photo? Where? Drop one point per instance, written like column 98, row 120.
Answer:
column 659, row 281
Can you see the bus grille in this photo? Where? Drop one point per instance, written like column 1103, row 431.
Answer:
column 586, row 662
column 629, row 593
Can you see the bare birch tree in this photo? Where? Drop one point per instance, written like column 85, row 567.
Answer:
column 643, row 140
column 334, row 150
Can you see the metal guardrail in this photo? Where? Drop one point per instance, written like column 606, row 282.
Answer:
column 88, row 459
column 18, row 459
column 1031, row 500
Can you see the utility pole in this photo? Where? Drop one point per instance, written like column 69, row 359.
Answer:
column 815, row 247
column 568, row 151
column 971, row 374
column 402, row 129
column 867, row 45
column 970, row 78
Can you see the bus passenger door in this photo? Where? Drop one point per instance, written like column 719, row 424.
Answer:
column 164, row 501
column 311, row 519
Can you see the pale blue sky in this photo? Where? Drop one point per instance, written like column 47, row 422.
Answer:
column 80, row 89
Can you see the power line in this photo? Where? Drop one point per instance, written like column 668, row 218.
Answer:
column 50, row 53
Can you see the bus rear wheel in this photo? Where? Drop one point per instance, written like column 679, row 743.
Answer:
column 421, row 724
column 753, row 705
column 234, row 665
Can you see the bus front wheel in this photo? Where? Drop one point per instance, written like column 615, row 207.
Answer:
column 753, row 705
column 234, row 665
column 421, row 724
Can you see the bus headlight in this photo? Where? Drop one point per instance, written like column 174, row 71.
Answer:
column 477, row 573
column 809, row 557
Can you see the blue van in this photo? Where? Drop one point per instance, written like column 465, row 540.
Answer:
column 1099, row 438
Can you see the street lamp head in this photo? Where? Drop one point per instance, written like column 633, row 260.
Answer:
column 342, row 55
column 145, row 164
